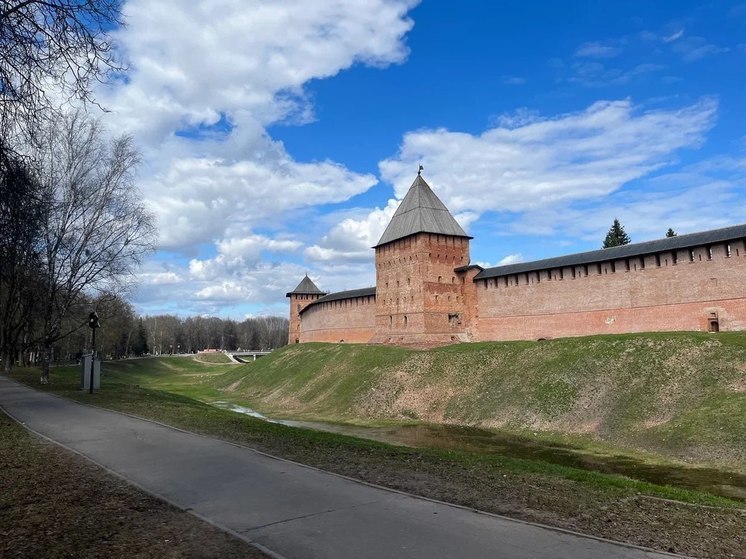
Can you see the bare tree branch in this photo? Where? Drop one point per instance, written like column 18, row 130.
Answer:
column 51, row 52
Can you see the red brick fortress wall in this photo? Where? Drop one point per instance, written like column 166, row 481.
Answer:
column 347, row 320
column 690, row 289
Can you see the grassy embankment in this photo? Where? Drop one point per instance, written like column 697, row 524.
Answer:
column 215, row 358
column 673, row 395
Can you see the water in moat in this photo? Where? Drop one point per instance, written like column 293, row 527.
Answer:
column 472, row 439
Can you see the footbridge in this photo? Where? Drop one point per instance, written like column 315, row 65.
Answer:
column 249, row 355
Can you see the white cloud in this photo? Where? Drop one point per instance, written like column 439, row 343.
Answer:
column 511, row 259
column 597, row 49
column 576, row 156
column 238, row 256
column 690, row 48
column 160, row 278
column 672, row 199
column 236, row 274
column 505, row 261
column 201, row 199
column 351, row 239
column 206, row 288
column 208, row 77
column 673, row 36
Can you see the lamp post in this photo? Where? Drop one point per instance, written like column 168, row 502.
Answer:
column 93, row 324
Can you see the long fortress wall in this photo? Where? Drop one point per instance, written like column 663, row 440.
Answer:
column 428, row 292
column 350, row 319
column 694, row 289
column 699, row 288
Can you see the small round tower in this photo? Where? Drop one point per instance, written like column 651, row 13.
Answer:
column 303, row 295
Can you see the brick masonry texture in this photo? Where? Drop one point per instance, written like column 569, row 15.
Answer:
column 347, row 320
column 419, row 296
column 690, row 290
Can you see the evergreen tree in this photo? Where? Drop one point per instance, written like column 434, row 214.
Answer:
column 671, row 233
column 616, row 236
column 140, row 343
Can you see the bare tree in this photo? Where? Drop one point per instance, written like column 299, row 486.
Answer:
column 52, row 51
column 119, row 325
column 96, row 229
column 21, row 213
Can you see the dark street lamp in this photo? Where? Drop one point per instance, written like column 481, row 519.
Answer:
column 93, row 324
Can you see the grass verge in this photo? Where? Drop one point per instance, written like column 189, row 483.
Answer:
column 603, row 505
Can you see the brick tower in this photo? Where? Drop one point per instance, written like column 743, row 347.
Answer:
column 420, row 260
column 300, row 298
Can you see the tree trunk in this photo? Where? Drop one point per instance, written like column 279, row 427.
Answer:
column 45, row 364
column 7, row 361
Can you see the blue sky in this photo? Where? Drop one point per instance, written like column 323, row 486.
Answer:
column 279, row 137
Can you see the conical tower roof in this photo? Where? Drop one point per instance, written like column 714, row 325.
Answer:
column 306, row 287
column 421, row 211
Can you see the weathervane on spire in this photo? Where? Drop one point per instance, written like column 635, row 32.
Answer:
column 419, row 171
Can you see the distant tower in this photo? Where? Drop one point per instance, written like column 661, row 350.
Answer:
column 300, row 298
column 419, row 281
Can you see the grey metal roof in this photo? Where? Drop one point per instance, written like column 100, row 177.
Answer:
column 467, row 267
column 421, row 211
column 625, row 251
column 305, row 287
column 341, row 295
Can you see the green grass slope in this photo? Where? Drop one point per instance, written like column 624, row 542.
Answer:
column 680, row 395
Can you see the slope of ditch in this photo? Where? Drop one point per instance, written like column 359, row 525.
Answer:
column 678, row 395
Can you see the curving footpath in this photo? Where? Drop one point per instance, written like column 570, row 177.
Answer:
column 287, row 509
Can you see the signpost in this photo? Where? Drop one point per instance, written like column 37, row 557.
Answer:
column 93, row 324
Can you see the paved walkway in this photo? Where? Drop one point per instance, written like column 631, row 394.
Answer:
column 291, row 510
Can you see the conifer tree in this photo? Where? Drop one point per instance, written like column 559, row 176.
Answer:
column 616, row 236
column 671, row 233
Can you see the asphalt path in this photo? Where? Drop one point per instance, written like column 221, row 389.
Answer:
column 290, row 510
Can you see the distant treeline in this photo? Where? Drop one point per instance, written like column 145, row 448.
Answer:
column 124, row 333
column 171, row 334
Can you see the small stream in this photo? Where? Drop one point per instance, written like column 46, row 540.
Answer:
column 472, row 439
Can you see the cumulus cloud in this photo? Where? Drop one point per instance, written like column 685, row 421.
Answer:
column 527, row 164
column 351, row 239
column 206, row 80
column 201, row 199
column 576, row 156
column 203, row 288
column 238, row 256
